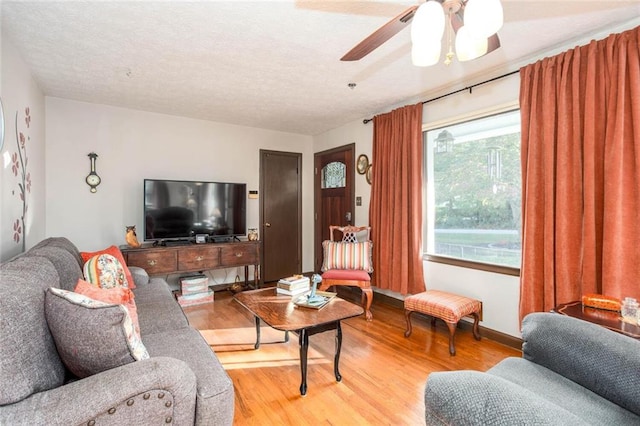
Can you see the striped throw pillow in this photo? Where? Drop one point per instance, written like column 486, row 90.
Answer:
column 105, row 271
column 347, row 255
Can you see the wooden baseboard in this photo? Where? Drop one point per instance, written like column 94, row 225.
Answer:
column 496, row 336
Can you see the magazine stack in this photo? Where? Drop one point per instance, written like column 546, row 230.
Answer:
column 194, row 290
column 294, row 285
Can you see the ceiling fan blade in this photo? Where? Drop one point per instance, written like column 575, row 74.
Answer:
column 381, row 35
column 493, row 43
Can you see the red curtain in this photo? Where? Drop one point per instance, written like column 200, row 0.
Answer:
column 395, row 210
column 581, row 173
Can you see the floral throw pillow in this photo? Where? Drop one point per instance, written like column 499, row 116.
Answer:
column 115, row 252
column 91, row 336
column 105, row 271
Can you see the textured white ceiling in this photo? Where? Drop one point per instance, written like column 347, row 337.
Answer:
column 269, row 64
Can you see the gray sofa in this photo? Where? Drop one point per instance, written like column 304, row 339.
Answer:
column 182, row 382
column 572, row 373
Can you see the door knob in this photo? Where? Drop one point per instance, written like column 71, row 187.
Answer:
column 267, row 225
column 348, row 217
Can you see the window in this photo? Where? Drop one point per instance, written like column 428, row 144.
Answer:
column 473, row 192
column 333, row 175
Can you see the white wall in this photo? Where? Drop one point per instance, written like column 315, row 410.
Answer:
column 19, row 91
column 133, row 145
column 499, row 293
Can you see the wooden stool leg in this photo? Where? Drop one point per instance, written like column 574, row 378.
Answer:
column 407, row 317
column 368, row 293
column 452, row 332
column 476, row 328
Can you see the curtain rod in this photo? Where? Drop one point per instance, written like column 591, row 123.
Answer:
column 469, row 88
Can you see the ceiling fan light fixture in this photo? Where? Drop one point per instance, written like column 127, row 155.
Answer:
column 468, row 47
column 428, row 22
column 425, row 53
column 483, row 19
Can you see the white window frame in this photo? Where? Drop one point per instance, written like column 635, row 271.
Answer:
column 429, row 214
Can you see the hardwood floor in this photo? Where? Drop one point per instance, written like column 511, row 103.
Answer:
column 383, row 373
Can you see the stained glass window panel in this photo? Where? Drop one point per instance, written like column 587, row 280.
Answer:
column 334, row 175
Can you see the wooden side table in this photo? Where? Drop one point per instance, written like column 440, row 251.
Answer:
column 609, row 319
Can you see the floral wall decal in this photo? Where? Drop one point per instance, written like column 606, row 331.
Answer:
column 20, row 161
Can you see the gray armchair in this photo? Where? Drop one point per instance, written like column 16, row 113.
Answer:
column 572, row 373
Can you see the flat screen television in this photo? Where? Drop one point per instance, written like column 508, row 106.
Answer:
column 177, row 210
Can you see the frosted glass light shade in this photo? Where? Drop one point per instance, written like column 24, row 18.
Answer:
column 428, row 22
column 483, row 18
column 467, row 47
column 425, row 53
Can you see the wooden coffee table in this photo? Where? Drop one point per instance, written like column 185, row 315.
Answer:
column 279, row 312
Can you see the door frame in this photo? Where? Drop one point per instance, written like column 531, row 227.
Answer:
column 261, row 218
column 317, row 199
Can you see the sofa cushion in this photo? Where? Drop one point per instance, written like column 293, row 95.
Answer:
column 115, row 252
column 473, row 398
column 91, row 336
column 117, row 295
column 157, row 308
column 66, row 264
column 105, row 271
column 29, row 362
column 562, row 392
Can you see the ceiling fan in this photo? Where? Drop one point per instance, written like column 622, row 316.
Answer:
column 474, row 38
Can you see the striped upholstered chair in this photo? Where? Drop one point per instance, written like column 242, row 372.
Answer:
column 348, row 262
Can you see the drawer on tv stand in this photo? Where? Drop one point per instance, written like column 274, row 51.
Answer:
column 198, row 258
column 239, row 254
column 154, row 261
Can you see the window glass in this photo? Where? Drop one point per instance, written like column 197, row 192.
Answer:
column 334, row 175
column 473, row 190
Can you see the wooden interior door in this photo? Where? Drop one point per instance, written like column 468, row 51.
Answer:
column 280, row 214
column 334, row 200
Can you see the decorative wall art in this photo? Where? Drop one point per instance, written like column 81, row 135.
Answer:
column 362, row 164
column 19, row 164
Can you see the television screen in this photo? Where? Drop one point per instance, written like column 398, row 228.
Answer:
column 178, row 210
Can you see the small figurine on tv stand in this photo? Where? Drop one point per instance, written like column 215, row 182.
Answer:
column 131, row 238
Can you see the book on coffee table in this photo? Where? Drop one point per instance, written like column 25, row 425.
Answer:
column 294, row 292
column 326, row 296
column 294, row 283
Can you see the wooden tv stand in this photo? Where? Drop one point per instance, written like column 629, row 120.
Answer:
column 160, row 260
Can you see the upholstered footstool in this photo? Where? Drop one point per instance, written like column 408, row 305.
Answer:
column 446, row 306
